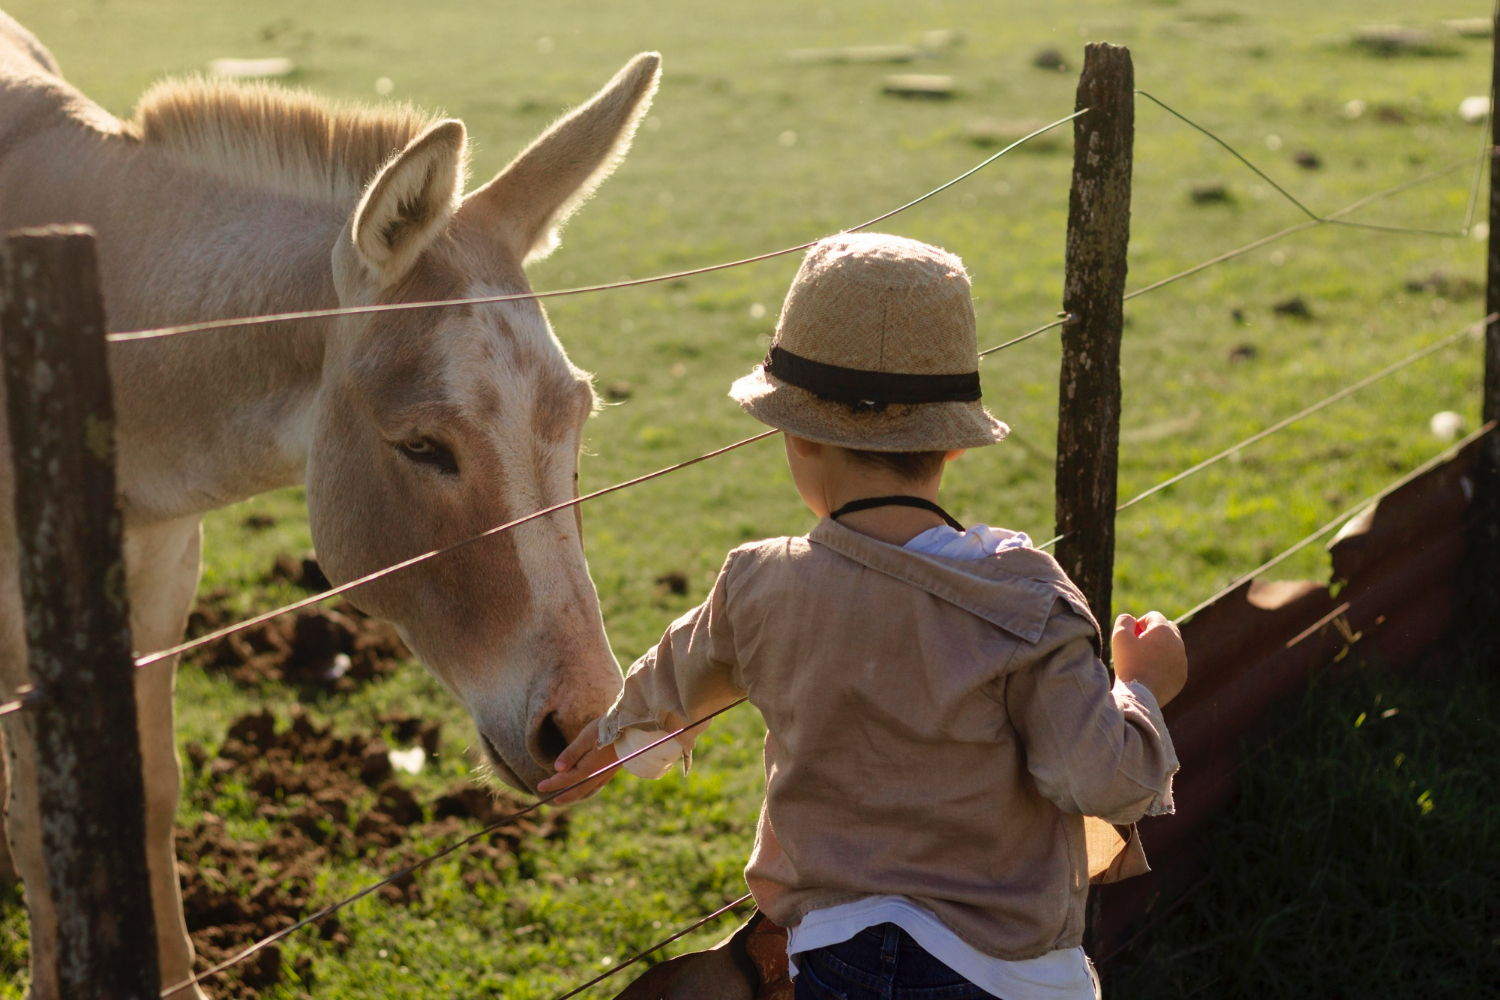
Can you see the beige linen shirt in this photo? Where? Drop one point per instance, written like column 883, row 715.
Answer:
column 936, row 728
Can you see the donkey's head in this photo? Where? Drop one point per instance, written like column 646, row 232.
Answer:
column 434, row 425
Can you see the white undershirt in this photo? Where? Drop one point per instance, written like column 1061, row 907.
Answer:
column 1064, row 974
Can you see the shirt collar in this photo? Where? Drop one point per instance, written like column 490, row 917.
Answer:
column 1014, row 590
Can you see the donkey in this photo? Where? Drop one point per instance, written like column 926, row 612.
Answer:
column 409, row 429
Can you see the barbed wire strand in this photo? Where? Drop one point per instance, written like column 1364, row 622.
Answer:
column 344, row 588
column 1420, row 470
column 478, row 300
column 658, row 947
column 424, row 862
column 1314, row 216
column 1229, row 255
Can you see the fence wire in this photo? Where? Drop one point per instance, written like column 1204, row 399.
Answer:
column 332, row 908
column 311, row 314
column 1253, row 245
column 657, row 947
column 1281, row 425
column 1314, row 216
column 344, row 588
column 1468, row 330
column 1292, row 550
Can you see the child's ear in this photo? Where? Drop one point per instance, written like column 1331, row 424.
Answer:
column 803, row 447
column 955, row 453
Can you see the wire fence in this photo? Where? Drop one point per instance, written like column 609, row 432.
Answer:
column 1292, row 550
column 1466, row 332
column 639, row 956
column 421, row 863
column 312, row 314
column 1313, row 220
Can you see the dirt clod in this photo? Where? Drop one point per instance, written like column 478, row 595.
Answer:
column 1050, row 58
column 673, row 582
column 1448, row 286
column 1210, row 194
column 1295, row 307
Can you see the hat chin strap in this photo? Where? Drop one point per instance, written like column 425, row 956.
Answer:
column 902, row 500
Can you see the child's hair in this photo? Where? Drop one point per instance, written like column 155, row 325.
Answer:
column 912, row 466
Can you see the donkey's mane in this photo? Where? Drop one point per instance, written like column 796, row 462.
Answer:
column 265, row 136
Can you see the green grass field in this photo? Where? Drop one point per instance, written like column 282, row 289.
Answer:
column 746, row 151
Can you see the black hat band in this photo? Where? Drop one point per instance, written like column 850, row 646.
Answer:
column 855, row 386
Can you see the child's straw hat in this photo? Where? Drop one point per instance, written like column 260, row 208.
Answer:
column 875, row 350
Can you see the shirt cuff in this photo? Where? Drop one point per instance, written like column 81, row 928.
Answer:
column 655, row 762
column 1162, row 804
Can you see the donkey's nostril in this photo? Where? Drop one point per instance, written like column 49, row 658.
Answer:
column 550, row 738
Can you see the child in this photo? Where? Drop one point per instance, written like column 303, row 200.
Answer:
column 938, row 718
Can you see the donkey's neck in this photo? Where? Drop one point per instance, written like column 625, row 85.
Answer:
column 209, row 418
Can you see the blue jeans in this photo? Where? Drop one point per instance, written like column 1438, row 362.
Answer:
column 880, row 963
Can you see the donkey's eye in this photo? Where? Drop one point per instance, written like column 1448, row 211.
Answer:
column 425, row 451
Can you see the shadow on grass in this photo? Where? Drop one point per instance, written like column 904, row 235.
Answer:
column 1363, row 858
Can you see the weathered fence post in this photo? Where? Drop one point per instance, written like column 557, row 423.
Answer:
column 1088, row 406
column 1088, row 412
column 92, row 795
column 1484, row 538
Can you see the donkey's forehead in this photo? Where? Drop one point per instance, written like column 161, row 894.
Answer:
column 506, row 351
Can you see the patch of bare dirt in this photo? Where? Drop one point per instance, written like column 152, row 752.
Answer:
column 334, row 648
column 324, row 798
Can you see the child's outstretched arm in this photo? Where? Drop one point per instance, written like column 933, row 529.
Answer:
column 689, row 674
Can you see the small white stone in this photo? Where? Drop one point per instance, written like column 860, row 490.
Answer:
column 1480, row 231
column 411, row 761
column 1354, row 109
column 1474, row 109
column 338, row 667
column 1446, row 425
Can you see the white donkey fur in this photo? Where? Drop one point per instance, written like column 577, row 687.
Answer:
column 410, row 429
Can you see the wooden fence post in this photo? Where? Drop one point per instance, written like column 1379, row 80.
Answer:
column 68, row 528
column 1088, row 406
column 1484, row 538
column 1088, row 413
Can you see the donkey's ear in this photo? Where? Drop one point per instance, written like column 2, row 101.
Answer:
column 410, row 201
column 528, row 202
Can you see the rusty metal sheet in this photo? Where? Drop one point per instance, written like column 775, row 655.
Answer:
column 1394, row 590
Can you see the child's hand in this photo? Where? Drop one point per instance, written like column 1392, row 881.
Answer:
column 1150, row 651
column 581, row 759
